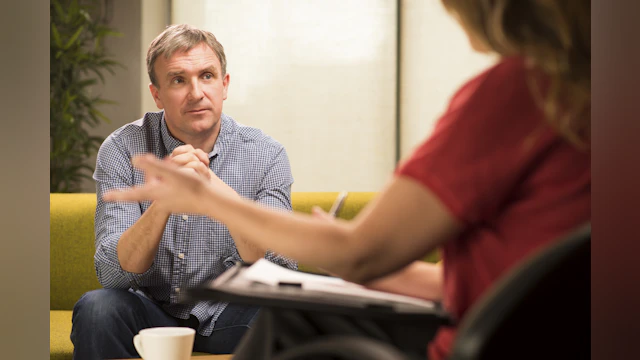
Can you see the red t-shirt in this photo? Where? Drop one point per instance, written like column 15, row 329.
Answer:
column 506, row 175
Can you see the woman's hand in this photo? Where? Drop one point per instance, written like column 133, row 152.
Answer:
column 418, row 279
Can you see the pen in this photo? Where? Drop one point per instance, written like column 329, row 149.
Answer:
column 337, row 205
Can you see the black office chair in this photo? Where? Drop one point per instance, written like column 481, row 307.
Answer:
column 539, row 310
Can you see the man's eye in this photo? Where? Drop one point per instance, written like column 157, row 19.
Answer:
column 177, row 81
column 208, row 76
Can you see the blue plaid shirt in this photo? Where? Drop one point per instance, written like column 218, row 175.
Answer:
column 193, row 248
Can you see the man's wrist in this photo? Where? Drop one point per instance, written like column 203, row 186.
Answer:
column 158, row 210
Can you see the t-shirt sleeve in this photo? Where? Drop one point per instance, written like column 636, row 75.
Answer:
column 478, row 149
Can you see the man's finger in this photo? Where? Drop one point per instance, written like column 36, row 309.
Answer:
column 184, row 159
column 203, row 156
column 199, row 168
column 182, row 149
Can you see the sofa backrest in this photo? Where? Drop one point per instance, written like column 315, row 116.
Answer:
column 71, row 242
column 72, row 272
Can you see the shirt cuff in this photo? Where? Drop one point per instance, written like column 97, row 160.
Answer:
column 137, row 280
column 233, row 259
column 111, row 254
column 281, row 260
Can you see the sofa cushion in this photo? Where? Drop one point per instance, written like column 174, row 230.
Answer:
column 355, row 201
column 60, row 346
column 71, row 240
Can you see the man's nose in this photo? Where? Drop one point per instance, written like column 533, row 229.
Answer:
column 195, row 92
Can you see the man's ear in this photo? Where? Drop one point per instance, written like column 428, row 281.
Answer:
column 225, row 84
column 155, row 95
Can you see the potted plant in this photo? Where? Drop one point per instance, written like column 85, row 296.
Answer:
column 77, row 62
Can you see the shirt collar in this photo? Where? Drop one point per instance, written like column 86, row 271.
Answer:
column 170, row 142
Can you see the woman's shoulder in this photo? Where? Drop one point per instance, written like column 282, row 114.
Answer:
column 500, row 82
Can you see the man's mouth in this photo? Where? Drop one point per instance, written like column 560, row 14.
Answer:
column 197, row 111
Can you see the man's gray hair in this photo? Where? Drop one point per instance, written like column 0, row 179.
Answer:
column 181, row 37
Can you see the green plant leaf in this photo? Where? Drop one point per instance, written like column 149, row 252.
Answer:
column 104, row 31
column 108, row 63
column 73, row 7
column 85, row 83
column 98, row 101
column 99, row 114
column 74, row 37
column 86, row 15
column 97, row 71
column 58, row 9
column 56, row 35
column 77, row 63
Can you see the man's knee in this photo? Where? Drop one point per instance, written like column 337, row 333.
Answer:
column 236, row 315
column 105, row 304
column 104, row 322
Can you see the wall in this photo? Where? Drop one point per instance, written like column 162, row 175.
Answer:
column 124, row 86
column 154, row 19
column 140, row 21
column 436, row 59
column 318, row 76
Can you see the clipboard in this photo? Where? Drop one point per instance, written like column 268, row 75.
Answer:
column 231, row 286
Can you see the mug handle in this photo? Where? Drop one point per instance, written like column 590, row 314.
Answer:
column 137, row 343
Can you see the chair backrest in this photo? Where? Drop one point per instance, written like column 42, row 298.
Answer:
column 541, row 309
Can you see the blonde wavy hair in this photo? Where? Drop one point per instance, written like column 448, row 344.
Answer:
column 555, row 37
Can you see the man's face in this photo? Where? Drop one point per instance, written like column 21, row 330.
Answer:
column 191, row 90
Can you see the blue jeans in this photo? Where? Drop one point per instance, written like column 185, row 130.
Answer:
column 105, row 321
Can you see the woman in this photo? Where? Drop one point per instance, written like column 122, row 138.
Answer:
column 506, row 170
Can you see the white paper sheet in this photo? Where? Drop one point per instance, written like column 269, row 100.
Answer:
column 268, row 273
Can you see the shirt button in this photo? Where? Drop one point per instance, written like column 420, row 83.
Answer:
column 177, row 290
column 185, row 217
column 181, row 256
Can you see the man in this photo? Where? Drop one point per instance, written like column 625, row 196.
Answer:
column 145, row 255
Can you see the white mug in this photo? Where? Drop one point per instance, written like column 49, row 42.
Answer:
column 165, row 343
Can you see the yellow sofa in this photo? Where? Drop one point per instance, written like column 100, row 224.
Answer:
column 72, row 248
